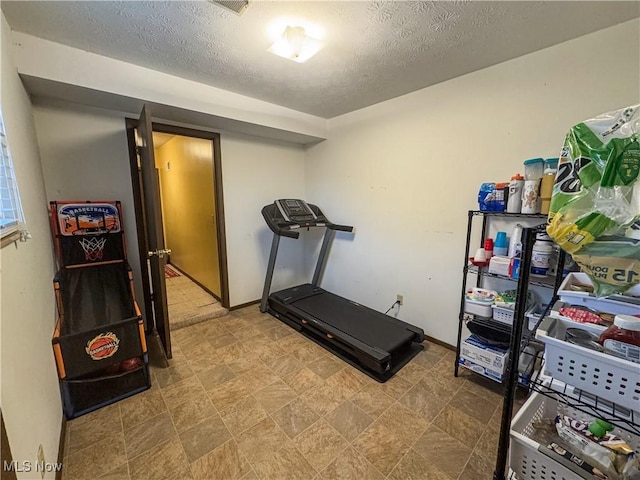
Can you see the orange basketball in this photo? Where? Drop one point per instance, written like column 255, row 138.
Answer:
column 130, row 364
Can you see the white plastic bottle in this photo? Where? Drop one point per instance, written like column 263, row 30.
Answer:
column 541, row 258
column 515, row 242
column 514, row 202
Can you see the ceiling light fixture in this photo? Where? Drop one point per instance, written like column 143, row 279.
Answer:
column 236, row 6
column 296, row 45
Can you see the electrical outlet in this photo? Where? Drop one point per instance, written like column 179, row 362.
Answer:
column 400, row 299
column 41, row 460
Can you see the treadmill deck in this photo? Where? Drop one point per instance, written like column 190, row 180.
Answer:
column 368, row 326
column 371, row 341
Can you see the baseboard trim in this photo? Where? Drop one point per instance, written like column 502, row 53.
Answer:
column 440, row 342
column 244, row 305
column 63, row 435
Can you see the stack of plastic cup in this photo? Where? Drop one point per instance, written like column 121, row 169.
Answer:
column 501, row 244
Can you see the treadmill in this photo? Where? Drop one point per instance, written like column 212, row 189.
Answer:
column 374, row 343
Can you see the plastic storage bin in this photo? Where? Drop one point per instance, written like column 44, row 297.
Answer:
column 526, row 461
column 627, row 304
column 533, row 315
column 505, row 314
column 474, row 307
column 610, row 378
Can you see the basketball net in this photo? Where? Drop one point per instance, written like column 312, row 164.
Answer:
column 93, row 248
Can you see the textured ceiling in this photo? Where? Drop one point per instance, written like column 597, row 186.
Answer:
column 373, row 51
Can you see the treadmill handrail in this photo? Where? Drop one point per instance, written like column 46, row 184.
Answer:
column 284, row 228
column 341, row 228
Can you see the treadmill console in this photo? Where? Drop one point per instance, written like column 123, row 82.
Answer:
column 293, row 210
column 287, row 215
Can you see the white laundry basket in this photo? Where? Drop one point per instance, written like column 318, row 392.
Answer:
column 610, row 378
column 524, row 458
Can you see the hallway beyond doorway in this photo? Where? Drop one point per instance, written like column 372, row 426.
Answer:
column 188, row 303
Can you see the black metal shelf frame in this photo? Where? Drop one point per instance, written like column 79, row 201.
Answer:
column 623, row 418
column 484, row 213
column 547, row 282
column 580, row 400
column 481, row 272
column 511, row 374
column 519, row 337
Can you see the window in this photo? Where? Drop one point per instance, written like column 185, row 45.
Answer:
column 11, row 218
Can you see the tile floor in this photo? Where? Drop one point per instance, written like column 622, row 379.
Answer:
column 189, row 304
column 247, row 397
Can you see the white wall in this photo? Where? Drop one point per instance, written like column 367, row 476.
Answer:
column 30, row 397
column 406, row 171
column 85, row 157
column 255, row 173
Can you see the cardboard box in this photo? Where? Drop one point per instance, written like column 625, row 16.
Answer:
column 484, row 359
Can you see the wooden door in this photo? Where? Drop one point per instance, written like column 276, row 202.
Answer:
column 157, row 254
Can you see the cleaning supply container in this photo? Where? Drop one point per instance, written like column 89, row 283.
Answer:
column 541, row 258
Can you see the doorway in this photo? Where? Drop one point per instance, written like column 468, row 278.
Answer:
column 178, row 198
column 188, row 204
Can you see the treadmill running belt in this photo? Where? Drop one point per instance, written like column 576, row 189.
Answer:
column 368, row 326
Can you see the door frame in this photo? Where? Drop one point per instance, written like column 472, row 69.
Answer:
column 131, row 124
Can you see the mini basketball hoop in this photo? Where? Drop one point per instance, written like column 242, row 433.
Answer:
column 93, row 248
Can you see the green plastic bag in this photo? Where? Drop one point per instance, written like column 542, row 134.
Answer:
column 596, row 198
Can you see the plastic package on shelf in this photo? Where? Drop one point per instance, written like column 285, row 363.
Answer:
column 478, row 301
column 504, row 305
column 596, row 199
